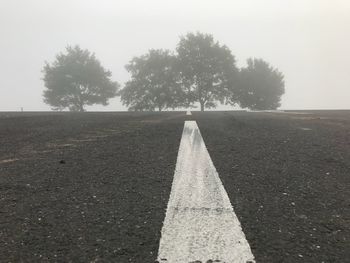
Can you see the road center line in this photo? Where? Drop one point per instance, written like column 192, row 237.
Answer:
column 188, row 113
column 200, row 224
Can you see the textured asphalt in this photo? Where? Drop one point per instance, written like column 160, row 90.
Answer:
column 288, row 178
column 85, row 187
column 94, row 187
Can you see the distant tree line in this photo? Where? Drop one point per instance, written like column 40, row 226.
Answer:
column 200, row 72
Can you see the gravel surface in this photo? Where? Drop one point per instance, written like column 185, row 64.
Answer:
column 85, row 187
column 94, row 187
column 288, row 178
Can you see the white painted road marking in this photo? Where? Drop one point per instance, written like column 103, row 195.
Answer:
column 188, row 113
column 200, row 223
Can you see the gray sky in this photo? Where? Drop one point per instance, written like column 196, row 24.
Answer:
column 308, row 40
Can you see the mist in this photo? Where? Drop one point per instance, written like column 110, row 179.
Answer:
column 307, row 40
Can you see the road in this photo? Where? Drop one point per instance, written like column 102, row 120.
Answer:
column 94, row 187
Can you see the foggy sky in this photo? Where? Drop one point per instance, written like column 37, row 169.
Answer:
column 308, row 40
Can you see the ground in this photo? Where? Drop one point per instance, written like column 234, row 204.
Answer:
column 93, row 187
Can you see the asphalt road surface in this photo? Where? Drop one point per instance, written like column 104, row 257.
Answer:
column 94, row 187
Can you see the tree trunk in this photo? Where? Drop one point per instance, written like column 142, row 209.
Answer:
column 202, row 106
column 80, row 101
column 201, row 99
column 81, row 107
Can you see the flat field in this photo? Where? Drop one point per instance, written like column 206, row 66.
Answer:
column 94, row 187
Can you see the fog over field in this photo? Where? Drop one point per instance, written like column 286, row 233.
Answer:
column 307, row 40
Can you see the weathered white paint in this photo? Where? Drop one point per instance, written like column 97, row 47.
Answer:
column 188, row 113
column 200, row 223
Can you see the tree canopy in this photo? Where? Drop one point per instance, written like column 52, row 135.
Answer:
column 200, row 71
column 75, row 79
column 154, row 82
column 260, row 86
column 207, row 69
